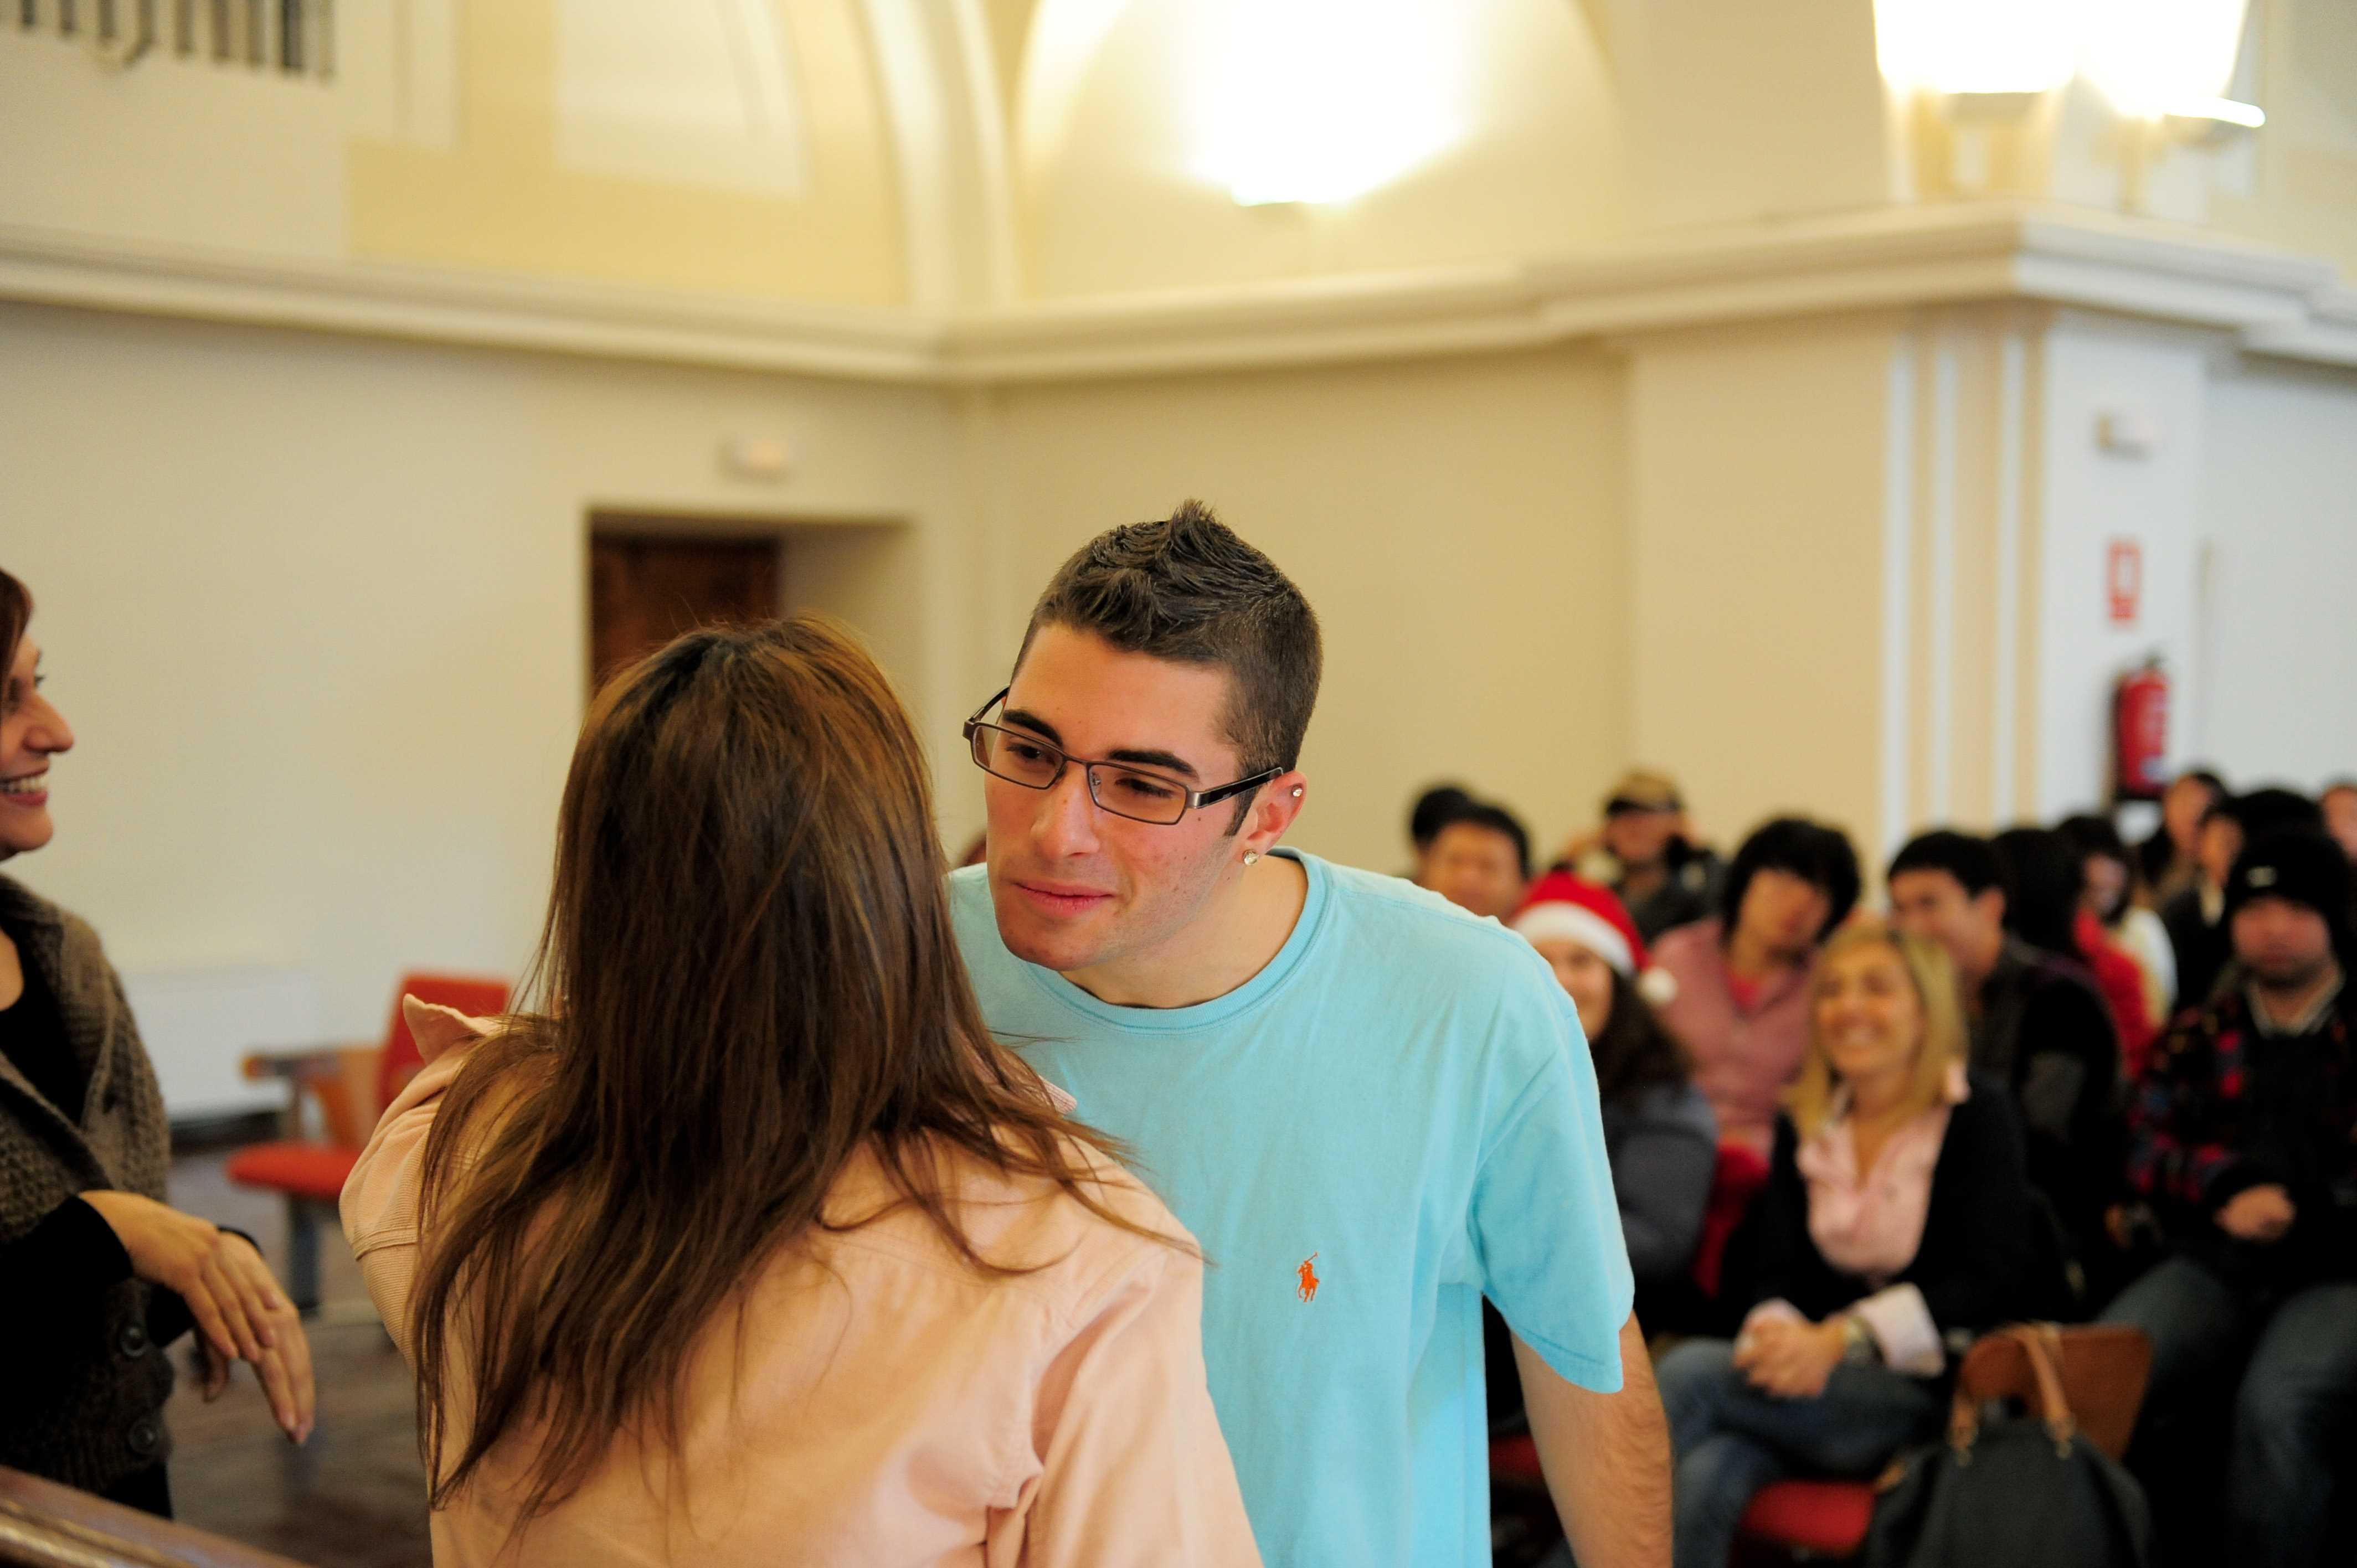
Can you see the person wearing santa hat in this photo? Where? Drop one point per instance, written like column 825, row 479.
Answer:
column 1659, row 1133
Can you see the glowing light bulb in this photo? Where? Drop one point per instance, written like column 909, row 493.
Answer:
column 2162, row 57
column 1322, row 100
column 1976, row 45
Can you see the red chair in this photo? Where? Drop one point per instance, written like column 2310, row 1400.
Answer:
column 1733, row 1182
column 1810, row 1518
column 353, row 1085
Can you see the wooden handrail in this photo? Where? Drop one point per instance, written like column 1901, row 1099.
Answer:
column 45, row 1525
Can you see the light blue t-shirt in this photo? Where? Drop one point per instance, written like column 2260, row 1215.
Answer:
column 1395, row 1118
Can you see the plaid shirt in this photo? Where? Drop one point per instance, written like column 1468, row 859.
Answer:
column 2198, row 1133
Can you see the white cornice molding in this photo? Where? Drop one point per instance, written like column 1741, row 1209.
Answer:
column 482, row 308
column 2273, row 303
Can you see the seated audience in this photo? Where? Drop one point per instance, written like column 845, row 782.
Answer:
column 753, row 1241
column 1480, row 860
column 2169, row 860
column 1658, row 1131
column 98, row 1274
column 2196, row 917
column 2045, row 899
column 1432, row 809
column 2037, row 1025
column 1664, row 878
column 2244, row 1139
column 1893, row 1229
column 2109, row 900
column 1742, row 1004
column 2339, row 804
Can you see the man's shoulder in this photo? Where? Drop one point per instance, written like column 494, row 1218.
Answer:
column 1411, row 924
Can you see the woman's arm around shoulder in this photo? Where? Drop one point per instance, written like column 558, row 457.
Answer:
column 381, row 1198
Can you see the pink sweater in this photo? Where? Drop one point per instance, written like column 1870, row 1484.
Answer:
column 1743, row 1058
column 891, row 1406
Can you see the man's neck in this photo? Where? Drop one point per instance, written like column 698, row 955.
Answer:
column 1750, row 960
column 2285, row 1005
column 1974, row 969
column 1642, row 881
column 1221, row 949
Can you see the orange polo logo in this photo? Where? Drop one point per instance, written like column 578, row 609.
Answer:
column 1308, row 1278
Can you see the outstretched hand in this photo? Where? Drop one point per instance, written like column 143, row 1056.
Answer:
column 240, row 1313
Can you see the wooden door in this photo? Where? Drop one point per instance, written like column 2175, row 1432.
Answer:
column 645, row 589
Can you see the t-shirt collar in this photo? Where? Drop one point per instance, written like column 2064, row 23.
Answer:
column 1219, row 1009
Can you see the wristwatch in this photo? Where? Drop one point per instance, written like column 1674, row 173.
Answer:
column 1859, row 1348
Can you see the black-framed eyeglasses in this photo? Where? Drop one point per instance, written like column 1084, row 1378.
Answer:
column 1123, row 788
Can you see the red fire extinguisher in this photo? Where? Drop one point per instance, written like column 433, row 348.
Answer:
column 2140, row 733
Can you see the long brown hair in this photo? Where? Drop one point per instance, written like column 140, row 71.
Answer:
column 15, row 614
column 748, row 975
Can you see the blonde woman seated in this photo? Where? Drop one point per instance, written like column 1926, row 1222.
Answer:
column 751, row 1247
column 1893, row 1229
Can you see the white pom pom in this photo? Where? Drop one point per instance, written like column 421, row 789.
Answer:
column 1658, row 986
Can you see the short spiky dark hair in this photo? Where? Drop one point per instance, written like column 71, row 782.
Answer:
column 1188, row 589
column 1492, row 818
column 1972, row 860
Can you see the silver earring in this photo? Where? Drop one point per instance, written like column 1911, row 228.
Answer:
column 1251, row 855
column 1296, row 792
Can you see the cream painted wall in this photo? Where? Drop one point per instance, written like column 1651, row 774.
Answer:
column 2092, row 494
column 1455, row 523
column 172, row 152
column 315, row 607
column 743, row 152
column 1758, row 506
column 2278, row 509
column 1112, row 124
column 2297, row 185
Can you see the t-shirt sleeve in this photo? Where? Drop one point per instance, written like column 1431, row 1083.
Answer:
column 1546, row 1229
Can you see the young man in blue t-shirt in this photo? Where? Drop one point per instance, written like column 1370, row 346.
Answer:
column 1371, row 1108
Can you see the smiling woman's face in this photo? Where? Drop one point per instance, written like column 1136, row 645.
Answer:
column 1869, row 1021
column 31, row 731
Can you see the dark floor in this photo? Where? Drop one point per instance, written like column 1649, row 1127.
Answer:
column 355, row 1496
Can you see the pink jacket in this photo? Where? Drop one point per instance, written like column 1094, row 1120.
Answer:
column 1742, row 1059
column 888, row 1405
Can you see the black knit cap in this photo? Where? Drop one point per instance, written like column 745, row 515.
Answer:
column 2301, row 867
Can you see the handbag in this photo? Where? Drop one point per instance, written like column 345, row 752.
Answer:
column 2044, row 1487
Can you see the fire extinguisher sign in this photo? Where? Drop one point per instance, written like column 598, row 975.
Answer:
column 2124, row 580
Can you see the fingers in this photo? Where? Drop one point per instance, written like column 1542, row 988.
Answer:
column 210, row 1322
column 277, row 1387
column 229, row 1300
column 281, row 1354
column 215, row 1366
column 258, row 1292
column 294, row 1350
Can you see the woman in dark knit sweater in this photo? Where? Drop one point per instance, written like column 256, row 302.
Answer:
column 1895, row 1227
column 99, row 1274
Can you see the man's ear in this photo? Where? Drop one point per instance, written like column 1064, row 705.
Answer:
column 1272, row 812
column 1991, row 903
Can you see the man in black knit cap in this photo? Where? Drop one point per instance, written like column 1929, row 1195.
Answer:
column 2244, row 1137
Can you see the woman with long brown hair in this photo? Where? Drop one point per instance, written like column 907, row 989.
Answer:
column 749, row 1244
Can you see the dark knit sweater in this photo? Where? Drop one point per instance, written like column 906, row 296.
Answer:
column 1974, row 1264
column 83, row 1400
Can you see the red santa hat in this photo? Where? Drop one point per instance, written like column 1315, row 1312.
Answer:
column 1565, row 907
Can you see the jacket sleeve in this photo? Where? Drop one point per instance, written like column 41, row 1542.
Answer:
column 1661, row 1173
column 2190, row 1147
column 1133, row 1468
column 1772, row 1255
column 381, row 1198
column 73, row 1252
column 1973, row 1267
